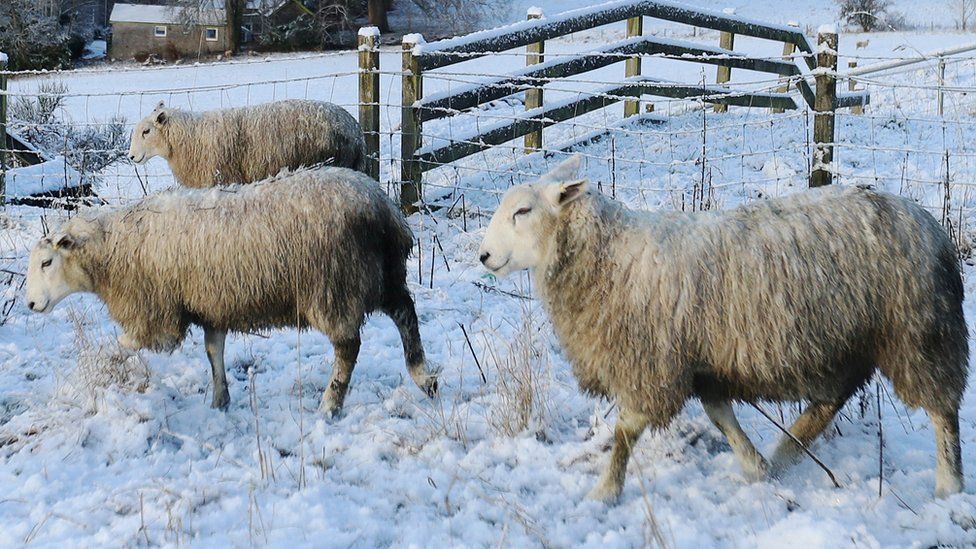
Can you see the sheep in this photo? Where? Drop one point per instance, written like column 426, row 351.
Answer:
column 787, row 299
column 248, row 144
column 319, row 248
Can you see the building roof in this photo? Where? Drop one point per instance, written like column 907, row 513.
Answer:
column 160, row 15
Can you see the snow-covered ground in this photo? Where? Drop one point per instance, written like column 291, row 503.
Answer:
column 97, row 450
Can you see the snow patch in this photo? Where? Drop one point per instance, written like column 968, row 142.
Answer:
column 535, row 12
column 369, row 31
column 827, row 28
column 41, row 178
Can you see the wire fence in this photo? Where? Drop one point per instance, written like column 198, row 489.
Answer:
column 676, row 154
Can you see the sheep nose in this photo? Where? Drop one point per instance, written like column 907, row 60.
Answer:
column 132, row 157
column 31, row 305
column 485, row 256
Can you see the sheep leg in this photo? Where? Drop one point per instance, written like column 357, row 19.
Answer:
column 213, row 340
column 629, row 427
column 948, row 453
column 401, row 310
column 346, row 353
column 806, row 429
column 753, row 464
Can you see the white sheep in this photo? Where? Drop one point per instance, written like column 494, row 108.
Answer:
column 248, row 144
column 789, row 299
column 318, row 248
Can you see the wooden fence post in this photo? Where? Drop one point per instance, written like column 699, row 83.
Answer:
column 852, row 86
column 788, row 49
column 635, row 27
column 411, row 129
column 726, row 40
column 534, row 54
column 369, row 96
column 942, row 65
column 823, row 106
column 3, row 129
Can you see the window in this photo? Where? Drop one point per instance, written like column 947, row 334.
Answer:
column 211, row 35
column 159, row 31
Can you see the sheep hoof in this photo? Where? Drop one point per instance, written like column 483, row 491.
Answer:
column 127, row 343
column 221, row 403
column 948, row 487
column 329, row 408
column 757, row 472
column 605, row 492
column 427, row 382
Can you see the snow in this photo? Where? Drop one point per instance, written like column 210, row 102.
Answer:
column 827, row 28
column 3, row 58
column 534, row 12
column 168, row 15
column 99, row 449
column 369, row 31
column 41, row 178
column 96, row 49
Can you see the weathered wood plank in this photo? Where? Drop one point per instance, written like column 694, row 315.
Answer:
column 451, row 51
column 635, row 27
column 824, row 105
column 534, row 54
column 411, row 128
column 369, row 97
column 430, row 158
column 444, row 105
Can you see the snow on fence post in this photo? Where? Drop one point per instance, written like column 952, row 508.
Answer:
column 411, row 127
column 788, row 49
column 942, row 65
column 726, row 40
column 824, row 105
column 534, row 54
column 852, row 86
column 635, row 27
column 369, row 96
column 3, row 129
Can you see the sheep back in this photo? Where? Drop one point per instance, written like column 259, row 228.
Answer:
column 247, row 144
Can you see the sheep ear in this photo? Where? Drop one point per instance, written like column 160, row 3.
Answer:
column 567, row 170
column 161, row 118
column 160, row 106
column 68, row 241
column 560, row 194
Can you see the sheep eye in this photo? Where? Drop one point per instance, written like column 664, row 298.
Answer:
column 46, row 263
column 145, row 132
column 521, row 211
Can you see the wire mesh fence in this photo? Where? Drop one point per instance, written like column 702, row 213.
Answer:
column 676, row 153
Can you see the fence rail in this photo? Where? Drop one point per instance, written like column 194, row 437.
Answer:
column 420, row 58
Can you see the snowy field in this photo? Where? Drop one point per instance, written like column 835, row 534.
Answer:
column 96, row 450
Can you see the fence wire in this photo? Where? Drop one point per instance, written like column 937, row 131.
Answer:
column 681, row 155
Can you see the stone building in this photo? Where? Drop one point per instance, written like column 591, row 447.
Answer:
column 142, row 30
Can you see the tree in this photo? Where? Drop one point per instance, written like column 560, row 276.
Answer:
column 964, row 10
column 234, row 10
column 376, row 14
column 867, row 14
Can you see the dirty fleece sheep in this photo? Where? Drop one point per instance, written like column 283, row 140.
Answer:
column 247, row 144
column 316, row 248
column 790, row 299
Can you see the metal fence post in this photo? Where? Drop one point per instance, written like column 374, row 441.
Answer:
column 942, row 65
column 824, row 106
column 534, row 54
column 369, row 96
column 726, row 40
column 635, row 27
column 3, row 129
column 411, row 128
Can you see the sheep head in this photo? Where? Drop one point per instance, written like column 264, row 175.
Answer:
column 148, row 139
column 54, row 272
column 515, row 238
